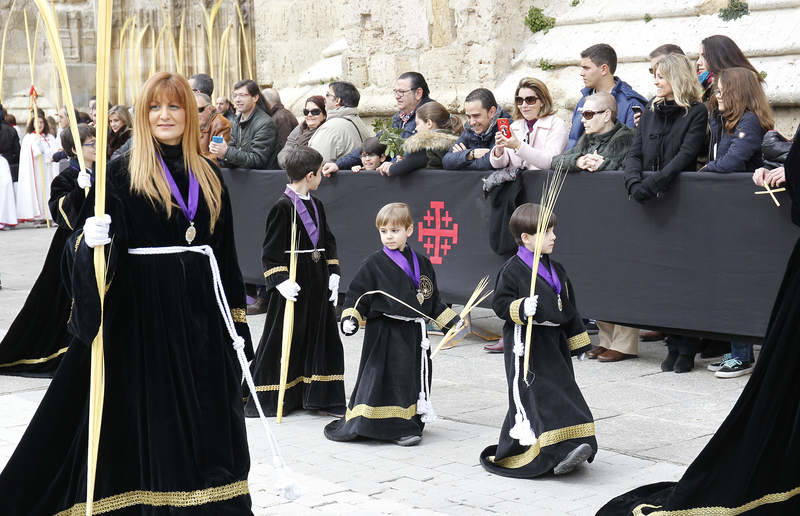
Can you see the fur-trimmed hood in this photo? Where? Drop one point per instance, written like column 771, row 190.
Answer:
column 436, row 140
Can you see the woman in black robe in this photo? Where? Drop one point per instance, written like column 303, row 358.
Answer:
column 38, row 339
column 751, row 463
column 173, row 437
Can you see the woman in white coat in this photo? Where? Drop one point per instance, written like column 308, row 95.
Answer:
column 536, row 134
column 35, row 172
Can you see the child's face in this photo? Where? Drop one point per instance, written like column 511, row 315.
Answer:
column 395, row 237
column 548, row 243
column 372, row 161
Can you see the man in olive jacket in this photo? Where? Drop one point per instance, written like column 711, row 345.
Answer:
column 254, row 135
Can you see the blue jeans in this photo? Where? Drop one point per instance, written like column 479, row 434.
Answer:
column 742, row 351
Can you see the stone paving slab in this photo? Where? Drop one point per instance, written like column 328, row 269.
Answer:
column 650, row 425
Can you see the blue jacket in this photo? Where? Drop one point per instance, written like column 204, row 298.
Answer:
column 626, row 99
column 739, row 151
column 472, row 140
column 348, row 161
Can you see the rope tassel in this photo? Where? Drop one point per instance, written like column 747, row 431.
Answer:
column 522, row 430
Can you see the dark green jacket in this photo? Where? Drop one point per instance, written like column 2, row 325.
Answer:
column 612, row 145
column 254, row 143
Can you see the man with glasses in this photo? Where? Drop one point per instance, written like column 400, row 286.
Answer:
column 211, row 124
column 343, row 130
column 410, row 92
column 598, row 64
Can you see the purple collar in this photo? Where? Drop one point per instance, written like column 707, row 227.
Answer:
column 550, row 276
column 398, row 258
column 311, row 225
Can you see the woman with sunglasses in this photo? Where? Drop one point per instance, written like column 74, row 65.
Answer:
column 536, row 134
column 314, row 116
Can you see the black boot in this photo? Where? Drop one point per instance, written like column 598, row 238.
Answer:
column 669, row 363
column 685, row 363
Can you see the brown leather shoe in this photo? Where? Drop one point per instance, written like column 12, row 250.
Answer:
column 613, row 355
column 494, row 347
column 595, row 352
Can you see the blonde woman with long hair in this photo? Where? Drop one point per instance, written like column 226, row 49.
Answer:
column 173, row 431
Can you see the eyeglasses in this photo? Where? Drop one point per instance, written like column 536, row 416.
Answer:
column 195, row 90
column 200, row 109
column 89, row 144
column 312, row 112
column 527, row 100
column 588, row 115
column 400, row 93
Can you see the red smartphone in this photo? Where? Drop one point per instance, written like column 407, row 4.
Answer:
column 504, row 126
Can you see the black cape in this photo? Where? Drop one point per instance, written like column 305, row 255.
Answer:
column 559, row 415
column 384, row 401
column 173, row 437
column 751, row 462
column 38, row 339
column 315, row 380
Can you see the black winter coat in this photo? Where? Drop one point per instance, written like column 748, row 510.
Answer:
column 739, row 151
column 254, row 143
column 472, row 140
column 9, row 143
column 668, row 140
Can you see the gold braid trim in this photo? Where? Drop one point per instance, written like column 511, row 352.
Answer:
column 513, row 311
column 578, row 341
column 239, row 315
column 275, row 270
column 78, row 241
column 304, row 379
column 332, row 262
column 27, row 361
column 161, row 498
column 387, row 412
column 548, row 438
column 61, row 209
column 445, row 317
column 720, row 511
column 352, row 312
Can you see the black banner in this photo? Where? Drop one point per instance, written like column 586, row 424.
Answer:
column 706, row 258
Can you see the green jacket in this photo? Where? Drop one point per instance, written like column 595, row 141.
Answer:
column 612, row 145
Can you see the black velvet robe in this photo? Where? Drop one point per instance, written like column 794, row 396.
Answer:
column 173, row 438
column 752, row 461
column 384, row 401
column 315, row 380
column 38, row 339
column 559, row 415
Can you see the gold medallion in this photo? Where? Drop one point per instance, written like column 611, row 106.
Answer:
column 191, row 232
column 315, row 255
column 425, row 287
column 420, row 297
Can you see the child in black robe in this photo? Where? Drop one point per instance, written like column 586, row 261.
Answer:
column 391, row 399
column 316, row 363
column 548, row 426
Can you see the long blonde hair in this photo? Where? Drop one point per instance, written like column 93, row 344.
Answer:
column 147, row 177
column 680, row 74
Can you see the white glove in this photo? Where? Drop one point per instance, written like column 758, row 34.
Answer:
column 349, row 327
column 95, row 230
column 333, row 286
column 84, row 180
column 289, row 289
column 459, row 325
column 530, row 305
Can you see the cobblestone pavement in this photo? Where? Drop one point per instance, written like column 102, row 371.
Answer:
column 650, row 425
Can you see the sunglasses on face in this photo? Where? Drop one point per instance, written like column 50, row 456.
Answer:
column 588, row 115
column 527, row 100
column 200, row 109
column 312, row 112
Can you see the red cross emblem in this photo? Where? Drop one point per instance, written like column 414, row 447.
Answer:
column 437, row 232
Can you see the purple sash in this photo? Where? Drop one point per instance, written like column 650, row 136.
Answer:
column 194, row 191
column 312, row 226
column 550, row 276
column 398, row 258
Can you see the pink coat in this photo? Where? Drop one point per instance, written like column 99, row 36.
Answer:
column 548, row 138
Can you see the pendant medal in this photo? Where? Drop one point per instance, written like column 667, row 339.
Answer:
column 315, row 255
column 560, row 306
column 191, row 232
column 420, row 297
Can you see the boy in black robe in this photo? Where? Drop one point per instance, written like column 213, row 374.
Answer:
column 391, row 399
column 548, row 426
column 316, row 363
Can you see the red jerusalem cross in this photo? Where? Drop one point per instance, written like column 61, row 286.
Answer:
column 438, row 234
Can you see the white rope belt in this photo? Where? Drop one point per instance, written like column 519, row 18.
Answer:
column 424, row 403
column 286, row 486
column 301, row 251
column 522, row 429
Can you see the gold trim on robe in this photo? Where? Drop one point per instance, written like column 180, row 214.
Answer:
column 548, row 438
column 352, row 312
column 720, row 511
column 578, row 341
column 239, row 315
column 61, row 209
column 304, row 379
column 28, row 361
column 445, row 317
column 332, row 262
column 386, row 412
column 161, row 499
column 275, row 270
column 514, row 310
column 78, row 241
